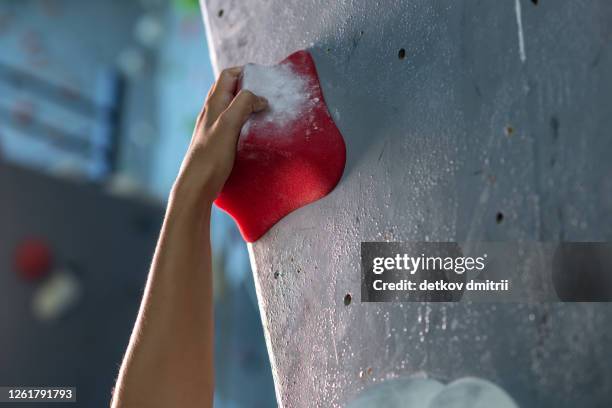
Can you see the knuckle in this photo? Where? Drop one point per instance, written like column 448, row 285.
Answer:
column 228, row 72
column 225, row 72
column 245, row 94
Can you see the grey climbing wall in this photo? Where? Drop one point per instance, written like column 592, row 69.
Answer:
column 492, row 124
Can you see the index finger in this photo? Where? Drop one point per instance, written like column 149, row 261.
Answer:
column 222, row 93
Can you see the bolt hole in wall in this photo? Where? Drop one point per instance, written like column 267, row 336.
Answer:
column 365, row 373
column 401, row 54
column 220, row 13
column 348, row 299
column 499, row 217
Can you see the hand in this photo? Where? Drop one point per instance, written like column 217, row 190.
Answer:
column 210, row 157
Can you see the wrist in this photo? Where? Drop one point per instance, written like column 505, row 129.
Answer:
column 188, row 208
column 190, row 193
column 193, row 184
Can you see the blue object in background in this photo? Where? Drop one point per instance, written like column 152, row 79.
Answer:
column 158, row 50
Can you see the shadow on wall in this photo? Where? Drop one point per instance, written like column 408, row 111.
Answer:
column 385, row 79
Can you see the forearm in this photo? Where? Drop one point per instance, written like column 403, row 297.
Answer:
column 169, row 361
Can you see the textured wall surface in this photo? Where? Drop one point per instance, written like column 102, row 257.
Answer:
column 493, row 124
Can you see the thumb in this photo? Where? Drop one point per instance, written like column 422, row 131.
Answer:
column 239, row 110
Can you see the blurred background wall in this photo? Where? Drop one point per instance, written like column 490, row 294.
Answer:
column 97, row 106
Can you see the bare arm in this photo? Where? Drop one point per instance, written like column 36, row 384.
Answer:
column 169, row 360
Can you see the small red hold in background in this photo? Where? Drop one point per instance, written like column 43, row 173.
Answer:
column 33, row 259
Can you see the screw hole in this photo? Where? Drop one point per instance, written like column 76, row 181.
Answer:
column 347, row 299
column 509, row 130
column 401, row 54
column 276, row 274
column 535, row 2
column 220, row 13
column 499, row 217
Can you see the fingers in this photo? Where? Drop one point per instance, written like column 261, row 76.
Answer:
column 239, row 110
column 222, row 93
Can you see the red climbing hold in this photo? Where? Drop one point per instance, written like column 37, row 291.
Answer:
column 290, row 155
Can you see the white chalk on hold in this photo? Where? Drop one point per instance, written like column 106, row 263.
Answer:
column 287, row 92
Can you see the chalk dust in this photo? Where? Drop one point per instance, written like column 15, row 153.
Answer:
column 287, row 92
